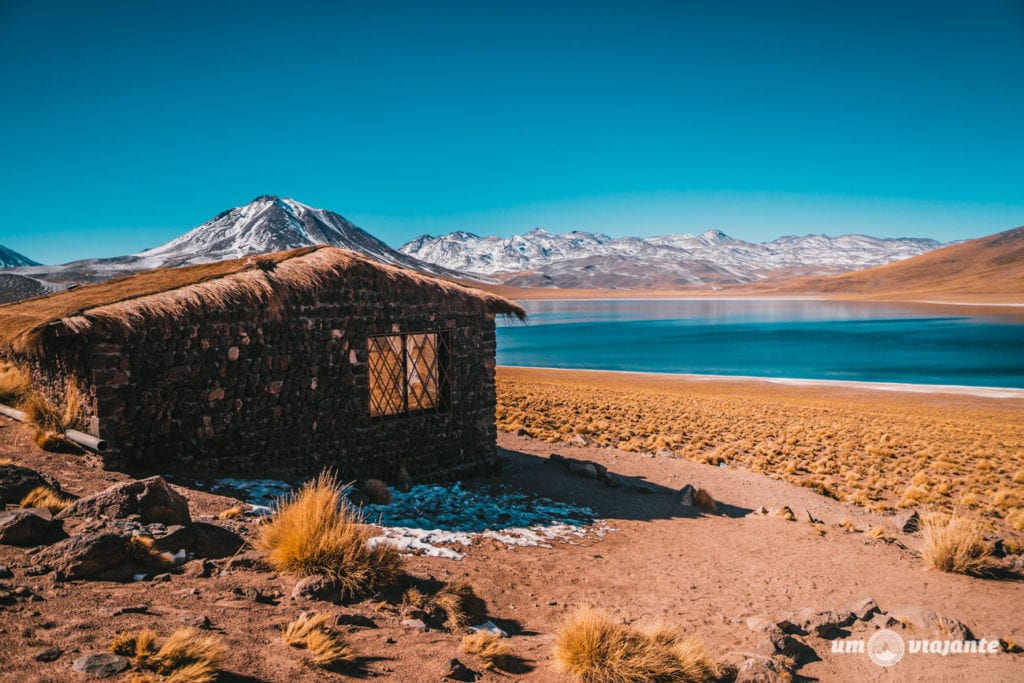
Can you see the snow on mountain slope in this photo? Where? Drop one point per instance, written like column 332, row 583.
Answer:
column 12, row 259
column 581, row 259
column 269, row 224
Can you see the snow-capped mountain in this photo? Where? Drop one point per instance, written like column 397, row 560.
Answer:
column 12, row 259
column 264, row 225
column 269, row 224
column 584, row 259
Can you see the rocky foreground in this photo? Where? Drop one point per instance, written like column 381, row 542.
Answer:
column 770, row 579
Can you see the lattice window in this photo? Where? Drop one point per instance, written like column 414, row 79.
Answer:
column 408, row 373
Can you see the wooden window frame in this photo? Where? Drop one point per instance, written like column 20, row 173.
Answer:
column 441, row 369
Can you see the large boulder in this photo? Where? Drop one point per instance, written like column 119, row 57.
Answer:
column 16, row 482
column 101, row 665
column 24, row 526
column 85, row 555
column 204, row 540
column 152, row 499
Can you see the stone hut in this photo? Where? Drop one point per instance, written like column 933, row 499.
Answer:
column 273, row 365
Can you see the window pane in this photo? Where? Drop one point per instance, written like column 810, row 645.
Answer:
column 422, row 370
column 386, row 375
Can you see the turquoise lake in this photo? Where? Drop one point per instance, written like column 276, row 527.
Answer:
column 806, row 339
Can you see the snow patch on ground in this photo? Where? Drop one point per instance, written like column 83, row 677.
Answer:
column 430, row 518
column 441, row 520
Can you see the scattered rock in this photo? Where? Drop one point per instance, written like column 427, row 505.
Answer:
column 130, row 609
column 85, row 555
column 16, row 482
column 102, row 665
column 414, row 624
column 316, row 587
column 199, row 569
column 686, row 495
column 37, row 570
column 865, row 609
column 152, row 499
column 49, row 654
column 195, row 620
column 583, row 469
column 161, row 578
column 203, row 539
column 25, row 527
column 915, row 616
column 907, row 521
column 763, row 670
column 881, row 620
column 358, row 620
column 954, row 629
column 760, row 624
column 460, row 672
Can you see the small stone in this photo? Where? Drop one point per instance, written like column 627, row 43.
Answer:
column 316, row 587
column 162, row 578
column 460, row 672
column 195, row 620
column 199, row 569
column 49, row 654
column 414, row 624
column 864, row 609
column 583, row 469
column 37, row 570
column 760, row 624
column 102, row 665
column 907, row 521
column 130, row 609
column 686, row 495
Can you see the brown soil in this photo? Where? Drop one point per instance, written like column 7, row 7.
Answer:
column 705, row 573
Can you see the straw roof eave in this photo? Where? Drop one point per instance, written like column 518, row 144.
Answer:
column 172, row 294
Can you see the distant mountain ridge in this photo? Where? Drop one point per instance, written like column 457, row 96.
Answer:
column 989, row 269
column 540, row 258
column 12, row 259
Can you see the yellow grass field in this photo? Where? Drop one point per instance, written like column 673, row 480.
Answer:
column 879, row 449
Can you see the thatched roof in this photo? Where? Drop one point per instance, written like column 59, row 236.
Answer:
column 267, row 281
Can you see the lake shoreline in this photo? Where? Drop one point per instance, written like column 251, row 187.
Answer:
column 905, row 387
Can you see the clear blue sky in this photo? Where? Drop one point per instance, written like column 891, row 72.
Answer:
column 122, row 124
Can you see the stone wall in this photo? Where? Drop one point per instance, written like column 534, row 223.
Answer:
column 243, row 392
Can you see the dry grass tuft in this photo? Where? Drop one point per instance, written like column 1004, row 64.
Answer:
column 189, row 650
column 956, row 545
column 703, row 499
column 141, row 549
column 329, row 649
column 123, row 644
column 376, row 491
column 876, row 532
column 7, row 461
column 786, row 513
column 44, row 497
column 461, row 605
column 295, row 632
column 314, row 532
column 49, row 421
column 234, row 512
column 139, row 646
column 489, row 647
column 310, row 630
column 15, row 383
column 592, row 648
column 413, row 597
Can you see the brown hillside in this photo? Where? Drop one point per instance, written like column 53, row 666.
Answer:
column 986, row 270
